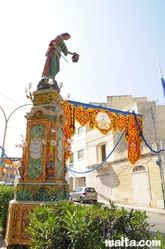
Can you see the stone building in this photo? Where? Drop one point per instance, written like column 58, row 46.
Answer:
column 141, row 184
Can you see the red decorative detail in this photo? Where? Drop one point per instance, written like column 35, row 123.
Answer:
column 116, row 121
column 82, row 116
column 134, row 152
column 120, row 122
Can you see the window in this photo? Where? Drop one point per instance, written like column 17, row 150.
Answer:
column 80, row 189
column 101, row 152
column 71, row 159
column 80, row 130
column 90, row 190
column 138, row 168
column 76, row 190
column 80, row 154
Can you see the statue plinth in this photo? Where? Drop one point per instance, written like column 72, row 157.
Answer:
column 44, row 84
column 42, row 171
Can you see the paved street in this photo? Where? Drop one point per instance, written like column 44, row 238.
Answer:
column 157, row 223
column 1, row 242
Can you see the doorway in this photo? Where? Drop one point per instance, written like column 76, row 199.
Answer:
column 140, row 184
column 103, row 187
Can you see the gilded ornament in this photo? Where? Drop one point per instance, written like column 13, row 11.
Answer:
column 43, row 141
column 53, row 143
column 41, row 99
column 19, row 188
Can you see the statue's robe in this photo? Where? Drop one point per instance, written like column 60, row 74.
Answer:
column 52, row 64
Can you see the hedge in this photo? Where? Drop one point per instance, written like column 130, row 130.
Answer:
column 6, row 195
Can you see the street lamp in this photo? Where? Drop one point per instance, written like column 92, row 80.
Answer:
column 4, row 136
column 68, row 95
column 28, row 92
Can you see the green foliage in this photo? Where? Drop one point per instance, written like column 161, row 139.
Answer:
column 67, row 225
column 159, row 237
column 80, row 230
column 6, row 195
column 44, row 229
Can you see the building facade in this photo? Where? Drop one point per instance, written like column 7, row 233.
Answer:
column 117, row 179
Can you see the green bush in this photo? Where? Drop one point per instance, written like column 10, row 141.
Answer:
column 6, row 194
column 160, row 238
column 67, row 225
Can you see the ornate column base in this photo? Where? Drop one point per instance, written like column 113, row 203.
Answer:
column 26, row 200
column 44, row 192
column 18, row 221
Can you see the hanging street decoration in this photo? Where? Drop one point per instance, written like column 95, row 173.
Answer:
column 105, row 120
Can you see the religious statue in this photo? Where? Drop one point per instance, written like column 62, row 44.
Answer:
column 53, row 54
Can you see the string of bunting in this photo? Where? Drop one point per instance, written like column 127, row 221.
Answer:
column 3, row 155
column 141, row 133
column 98, row 166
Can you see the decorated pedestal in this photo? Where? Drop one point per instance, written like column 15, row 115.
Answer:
column 42, row 171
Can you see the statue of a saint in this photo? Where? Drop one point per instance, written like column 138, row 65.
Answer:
column 53, row 54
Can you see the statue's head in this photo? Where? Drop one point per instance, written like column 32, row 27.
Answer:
column 66, row 36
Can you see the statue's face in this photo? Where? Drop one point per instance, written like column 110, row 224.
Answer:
column 66, row 37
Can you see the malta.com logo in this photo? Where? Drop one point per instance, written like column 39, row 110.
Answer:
column 125, row 242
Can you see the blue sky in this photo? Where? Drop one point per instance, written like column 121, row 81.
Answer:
column 116, row 39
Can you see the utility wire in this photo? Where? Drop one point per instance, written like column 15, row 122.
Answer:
column 12, row 101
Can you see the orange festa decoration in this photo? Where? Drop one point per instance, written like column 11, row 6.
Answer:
column 105, row 120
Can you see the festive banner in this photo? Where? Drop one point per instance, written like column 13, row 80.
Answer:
column 105, row 120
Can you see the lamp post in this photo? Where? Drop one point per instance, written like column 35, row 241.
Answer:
column 4, row 136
